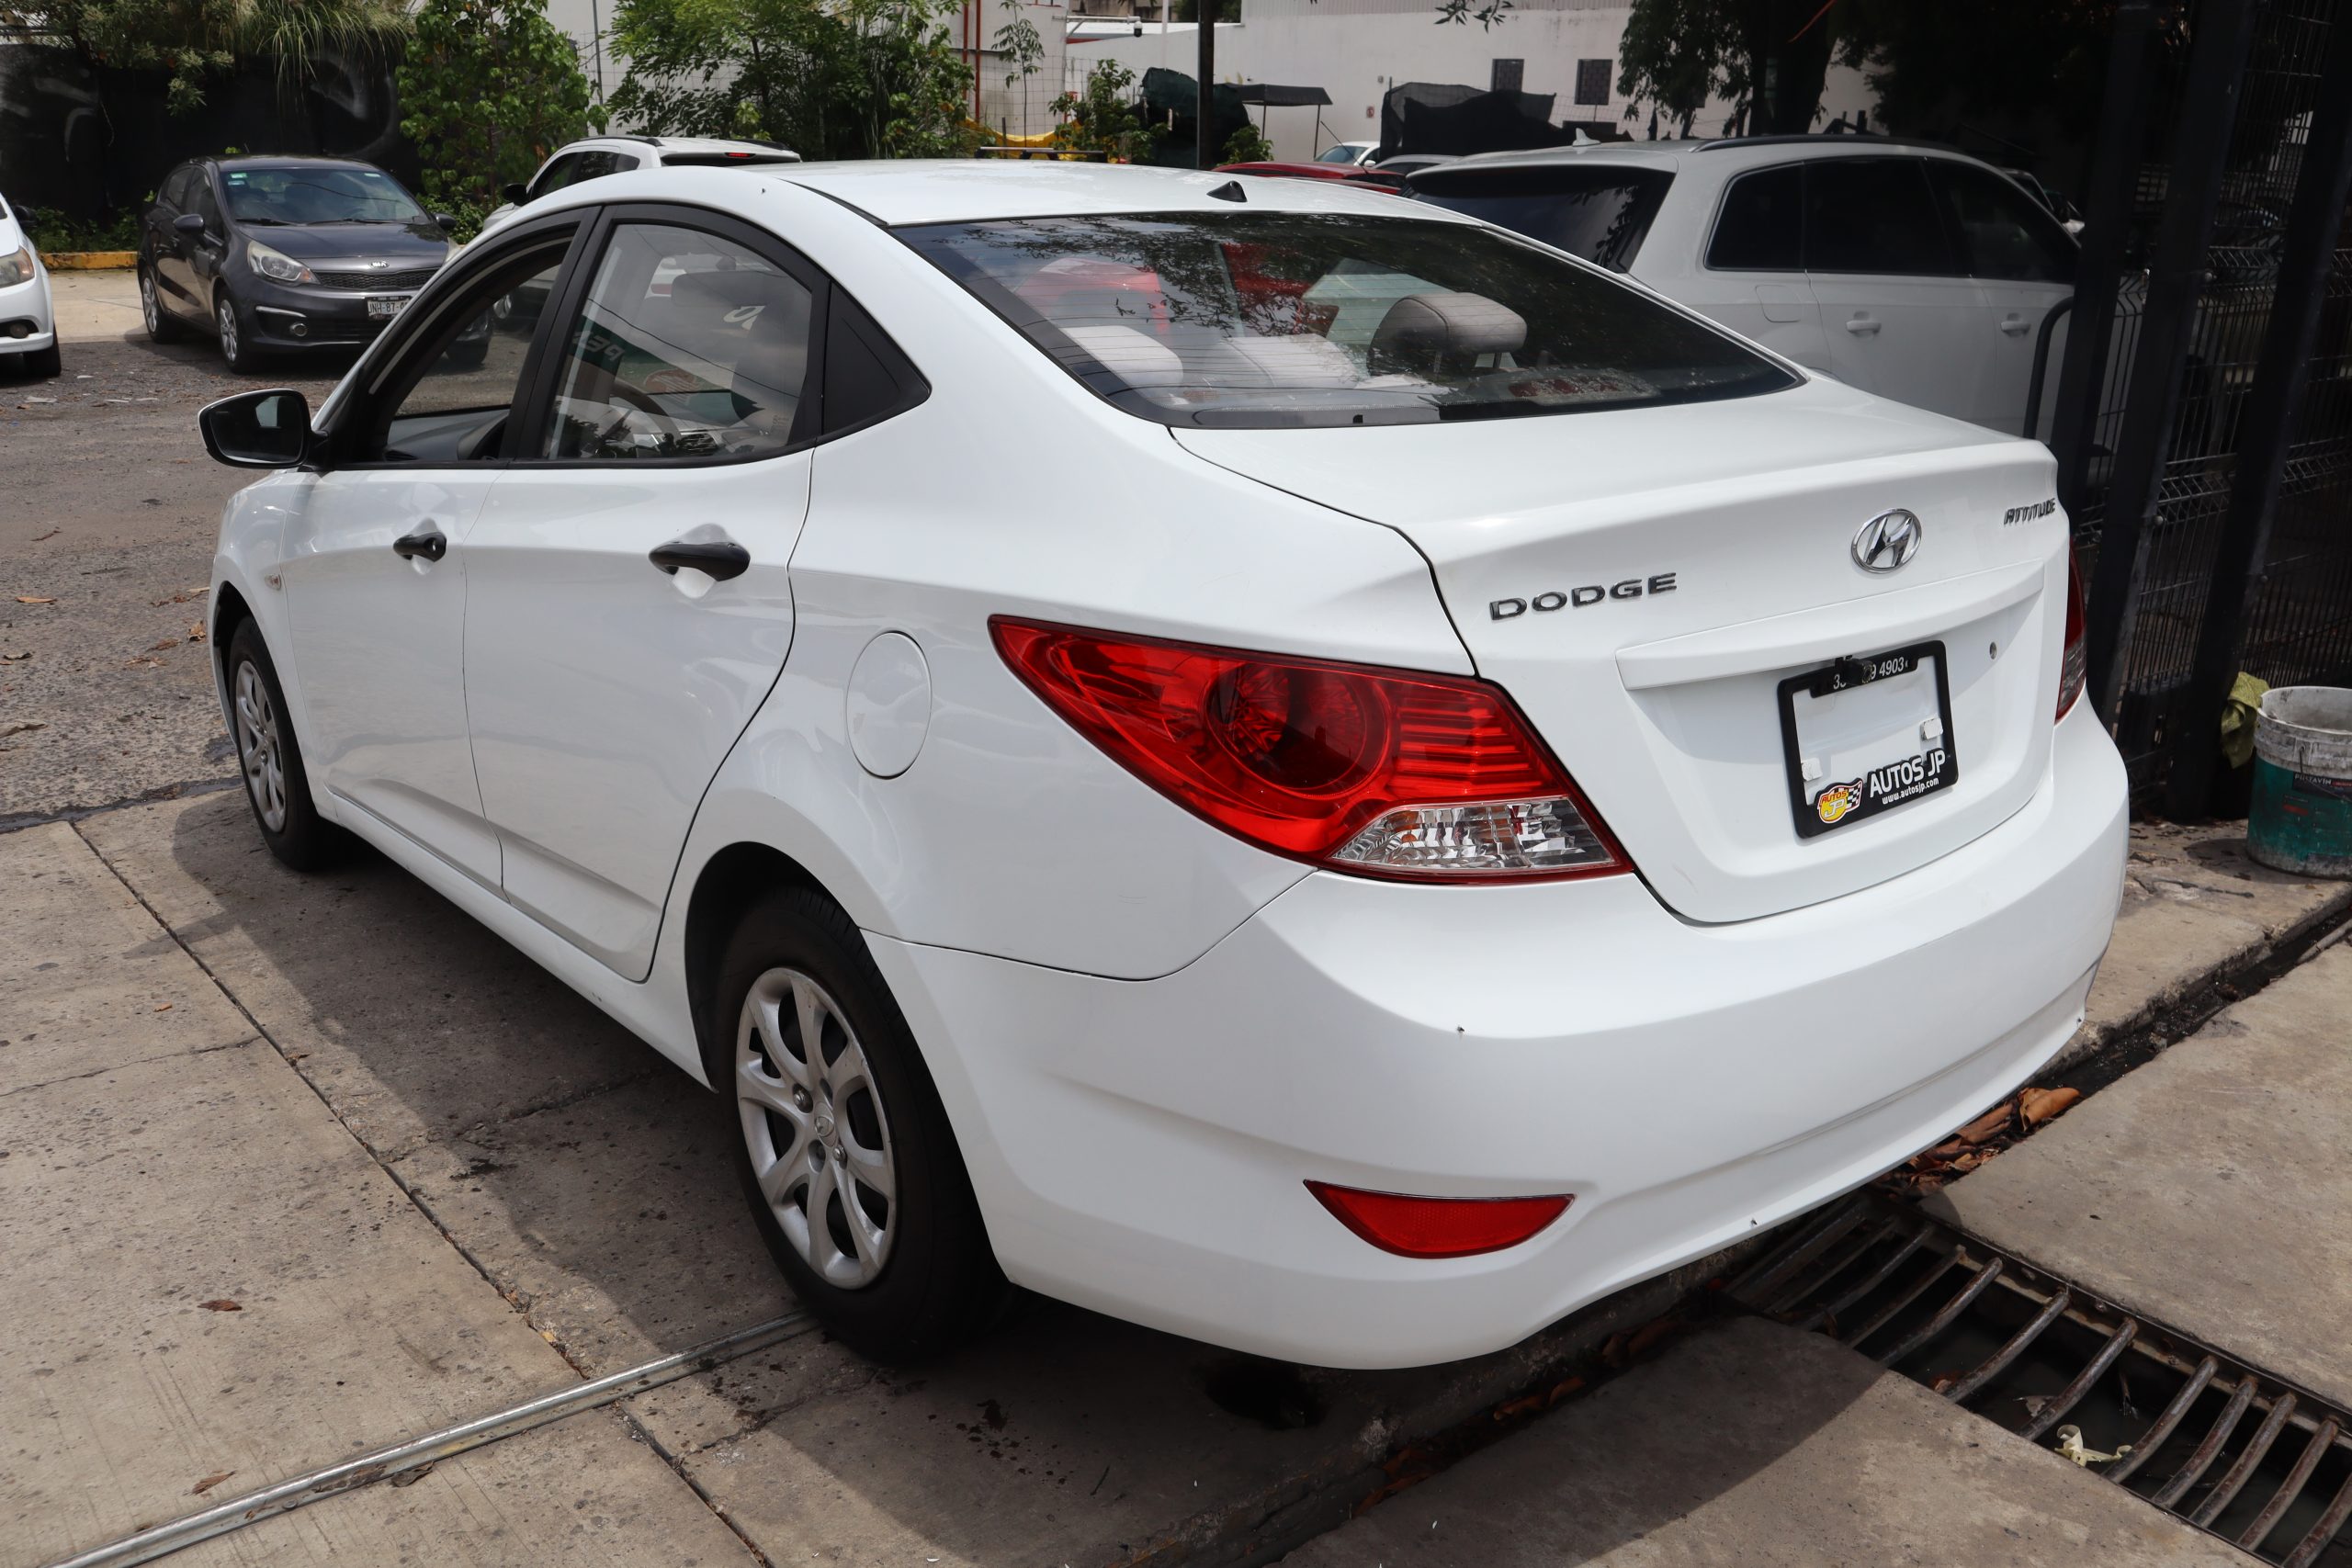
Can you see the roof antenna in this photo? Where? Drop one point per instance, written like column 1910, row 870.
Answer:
column 1230, row 191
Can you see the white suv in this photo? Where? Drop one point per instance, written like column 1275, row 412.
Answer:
column 1904, row 269
column 617, row 154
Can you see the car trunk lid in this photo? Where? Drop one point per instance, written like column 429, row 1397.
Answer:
column 1642, row 582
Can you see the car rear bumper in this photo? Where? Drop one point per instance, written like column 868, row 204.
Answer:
column 1141, row 1148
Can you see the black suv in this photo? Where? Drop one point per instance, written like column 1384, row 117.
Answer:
column 282, row 253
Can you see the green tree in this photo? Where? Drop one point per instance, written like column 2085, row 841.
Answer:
column 2019, row 63
column 1767, row 57
column 826, row 78
column 1103, row 118
column 488, row 89
column 194, row 40
column 1246, row 145
column 1023, row 49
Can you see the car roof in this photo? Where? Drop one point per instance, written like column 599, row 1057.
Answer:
column 1727, row 152
column 909, row 191
column 288, row 161
column 677, row 143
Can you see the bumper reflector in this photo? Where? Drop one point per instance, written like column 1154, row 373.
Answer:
column 1438, row 1227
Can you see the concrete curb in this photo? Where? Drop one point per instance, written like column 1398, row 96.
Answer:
column 89, row 261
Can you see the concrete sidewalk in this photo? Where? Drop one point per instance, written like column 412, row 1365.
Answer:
column 1762, row 1446
column 2211, row 1189
column 96, row 307
column 435, row 1182
column 210, row 1287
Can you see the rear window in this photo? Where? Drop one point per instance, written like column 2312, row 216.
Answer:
column 1599, row 213
column 1279, row 319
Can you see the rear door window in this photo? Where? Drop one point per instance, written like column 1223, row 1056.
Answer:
column 1874, row 216
column 557, row 175
column 1761, row 228
column 1599, row 213
column 2003, row 232
column 1272, row 319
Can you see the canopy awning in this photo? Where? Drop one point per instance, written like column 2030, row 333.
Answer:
column 1284, row 97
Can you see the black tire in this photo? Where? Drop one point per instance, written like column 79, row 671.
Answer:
column 44, row 364
column 230, row 328
column 162, row 326
column 302, row 839
column 938, row 1284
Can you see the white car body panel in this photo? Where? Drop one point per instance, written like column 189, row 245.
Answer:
column 380, row 643
column 1056, row 931
column 602, row 694
column 29, row 301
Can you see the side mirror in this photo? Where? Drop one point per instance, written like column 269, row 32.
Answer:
column 189, row 223
column 448, row 222
column 257, row 430
column 516, row 192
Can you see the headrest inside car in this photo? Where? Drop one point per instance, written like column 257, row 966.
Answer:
column 1426, row 331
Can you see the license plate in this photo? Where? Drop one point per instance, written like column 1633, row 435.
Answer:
column 384, row 306
column 1867, row 735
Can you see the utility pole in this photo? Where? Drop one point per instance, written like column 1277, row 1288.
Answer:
column 1204, row 149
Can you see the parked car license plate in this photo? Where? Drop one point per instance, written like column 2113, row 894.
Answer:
column 384, row 306
column 1867, row 735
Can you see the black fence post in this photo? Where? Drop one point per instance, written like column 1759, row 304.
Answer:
column 2107, row 208
column 2216, row 71
column 2323, row 186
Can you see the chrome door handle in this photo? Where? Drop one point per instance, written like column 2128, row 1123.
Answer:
column 2013, row 324
column 427, row 541
column 1861, row 326
column 721, row 559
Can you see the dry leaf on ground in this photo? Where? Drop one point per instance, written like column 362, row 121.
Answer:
column 223, row 1305
column 209, row 1481
column 1986, row 1128
column 2038, row 1105
column 30, row 599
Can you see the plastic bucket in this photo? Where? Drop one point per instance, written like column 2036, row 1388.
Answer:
column 2302, row 817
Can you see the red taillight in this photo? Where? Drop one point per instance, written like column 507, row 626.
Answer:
column 1438, row 1227
column 1382, row 772
column 2073, row 663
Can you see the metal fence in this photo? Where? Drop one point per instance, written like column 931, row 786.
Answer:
column 2203, row 421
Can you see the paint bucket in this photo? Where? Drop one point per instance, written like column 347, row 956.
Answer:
column 2302, row 816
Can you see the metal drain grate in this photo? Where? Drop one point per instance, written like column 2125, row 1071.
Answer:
column 2233, row 1451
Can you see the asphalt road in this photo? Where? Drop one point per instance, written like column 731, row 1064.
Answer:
column 111, row 506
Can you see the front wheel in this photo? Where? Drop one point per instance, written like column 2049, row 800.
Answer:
column 233, row 349
column 44, row 364
column 841, row 1142
column 276, row 787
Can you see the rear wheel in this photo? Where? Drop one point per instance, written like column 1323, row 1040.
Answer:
column 272, row 763
column 841, row 1142
column 162, row 326
column 42, row 363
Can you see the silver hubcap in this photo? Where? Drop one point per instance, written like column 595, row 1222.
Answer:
column 258, row 749
column 228, row 330
column 813, row 1124
column 147, row 301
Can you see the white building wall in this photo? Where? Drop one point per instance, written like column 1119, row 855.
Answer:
column 1357, row 49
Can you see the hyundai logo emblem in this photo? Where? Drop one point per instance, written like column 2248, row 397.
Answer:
column 1888, row 541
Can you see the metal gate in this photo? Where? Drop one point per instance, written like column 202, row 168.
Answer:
column 2203, row 420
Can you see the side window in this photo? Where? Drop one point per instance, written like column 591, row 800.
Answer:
column 1761, row 229
column 556, row 176
column 596, row 165
column 867, row 379
column 2003, row 231
column 449, row 394
column 201, row 202
column 175, row 189
column 687, row 345
column 1873, row 215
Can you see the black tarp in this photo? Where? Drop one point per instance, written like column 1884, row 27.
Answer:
column 1174, row 93
column 1433, row 116
column 1274, row 98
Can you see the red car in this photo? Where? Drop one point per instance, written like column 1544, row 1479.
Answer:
column 1345, row 173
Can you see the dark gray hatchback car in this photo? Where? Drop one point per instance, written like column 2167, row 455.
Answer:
column 273, row 255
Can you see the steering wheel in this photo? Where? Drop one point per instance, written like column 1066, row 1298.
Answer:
column 666, row 426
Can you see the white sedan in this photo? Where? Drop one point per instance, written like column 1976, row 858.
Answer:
column 27, row 315
column 1295, row 768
